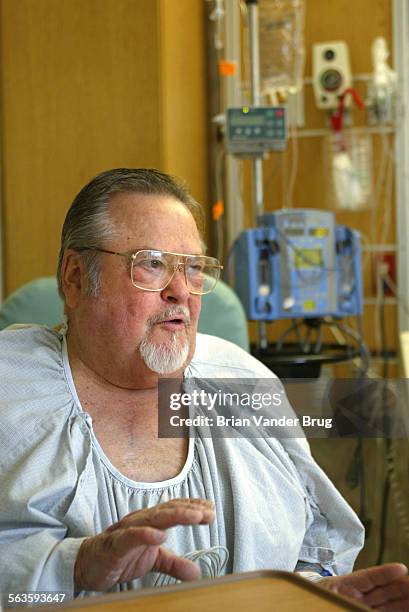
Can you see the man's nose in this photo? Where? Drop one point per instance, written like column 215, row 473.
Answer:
column 177, row 290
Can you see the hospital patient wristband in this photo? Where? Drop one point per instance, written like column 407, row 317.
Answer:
column 311, row 571
column 311, row 576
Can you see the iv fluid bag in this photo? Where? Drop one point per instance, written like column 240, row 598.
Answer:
column 348, row 171
column 282, row 53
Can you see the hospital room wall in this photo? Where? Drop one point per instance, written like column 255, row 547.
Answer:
column 87, row 86
column 357, row 23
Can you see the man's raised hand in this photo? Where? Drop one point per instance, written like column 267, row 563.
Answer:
column 133, row 547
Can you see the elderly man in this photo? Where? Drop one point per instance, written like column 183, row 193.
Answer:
column 90, row 492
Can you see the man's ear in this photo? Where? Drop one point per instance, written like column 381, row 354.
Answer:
column 73, row 277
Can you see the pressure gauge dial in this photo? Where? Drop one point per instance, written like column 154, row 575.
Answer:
column 331, row 80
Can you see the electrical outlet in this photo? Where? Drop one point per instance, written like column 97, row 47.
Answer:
column 385, row 265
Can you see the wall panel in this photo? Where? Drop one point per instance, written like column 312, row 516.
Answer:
column 81, row 85
column 183, row 92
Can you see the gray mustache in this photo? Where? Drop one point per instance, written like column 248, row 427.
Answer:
column 171, row 312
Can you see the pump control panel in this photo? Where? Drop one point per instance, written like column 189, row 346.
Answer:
column 253, row 131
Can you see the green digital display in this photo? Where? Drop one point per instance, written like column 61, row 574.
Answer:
column 247, row 120
column 308, row 258
column 294, row 231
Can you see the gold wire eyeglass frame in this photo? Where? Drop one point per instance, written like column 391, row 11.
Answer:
column 213, row 263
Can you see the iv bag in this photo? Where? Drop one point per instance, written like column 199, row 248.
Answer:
column 348, row 171
column 282, row 53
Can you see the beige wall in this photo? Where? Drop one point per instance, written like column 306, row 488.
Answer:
column 183, row 91
column 88, row 85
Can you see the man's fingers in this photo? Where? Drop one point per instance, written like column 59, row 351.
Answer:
column 383, row 574
column 338, row 585
column 396, row 591
column 194, row 501
column 366, row 580
column 383, row 587
column 183, row 502
column 165, row 516
column 121, row 541
column 170, row 517
column 178, row 567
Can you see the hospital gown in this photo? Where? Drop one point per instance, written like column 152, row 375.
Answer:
column 273, row 504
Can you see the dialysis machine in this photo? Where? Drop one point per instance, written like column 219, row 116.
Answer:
column 298, row 264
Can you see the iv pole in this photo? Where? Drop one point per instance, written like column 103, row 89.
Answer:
column 257, row 162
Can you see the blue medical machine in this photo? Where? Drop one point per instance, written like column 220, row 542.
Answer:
column 298, row 263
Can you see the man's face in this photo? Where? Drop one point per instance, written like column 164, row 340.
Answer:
column 142, row 331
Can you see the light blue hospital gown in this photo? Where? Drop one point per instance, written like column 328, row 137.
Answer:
column 274, row 505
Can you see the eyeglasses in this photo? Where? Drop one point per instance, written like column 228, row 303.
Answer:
column 153, row 270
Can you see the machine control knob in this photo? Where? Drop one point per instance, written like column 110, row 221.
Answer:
column 288, row 302
column 264, row 290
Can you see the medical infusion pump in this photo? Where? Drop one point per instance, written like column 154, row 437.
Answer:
column 253, row 131
column 298, row 263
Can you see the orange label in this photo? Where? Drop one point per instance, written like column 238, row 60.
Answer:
column 217, row 210
column 227, row 67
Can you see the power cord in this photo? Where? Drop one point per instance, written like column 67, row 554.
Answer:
column 212, row 562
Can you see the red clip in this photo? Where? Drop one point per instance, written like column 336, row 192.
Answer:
column 338, row 116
